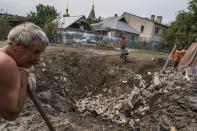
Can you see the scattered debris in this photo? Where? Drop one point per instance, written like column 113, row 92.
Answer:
column 83, row 90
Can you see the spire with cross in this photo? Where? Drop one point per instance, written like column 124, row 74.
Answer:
column 92, row 13
column 66, row 14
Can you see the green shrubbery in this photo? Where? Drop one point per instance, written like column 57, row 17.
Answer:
column 183, row 30
column 4, row 26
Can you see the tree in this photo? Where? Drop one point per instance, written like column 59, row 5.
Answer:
column 43, row 17
column 183, row 30
column 50, row 29
column 100, row 19
column 91, row 21
column 4, row 25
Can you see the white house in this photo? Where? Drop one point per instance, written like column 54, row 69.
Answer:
column 149, row 29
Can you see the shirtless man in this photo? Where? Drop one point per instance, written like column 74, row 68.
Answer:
column 123, row 43
column 25, row 44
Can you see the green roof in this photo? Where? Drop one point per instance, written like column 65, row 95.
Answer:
column 92, row 14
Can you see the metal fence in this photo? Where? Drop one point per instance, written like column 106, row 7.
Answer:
column 113, row 41
column 153, row 46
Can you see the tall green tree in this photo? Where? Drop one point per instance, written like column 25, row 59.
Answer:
column 43, row 17
column 50, row 29
column 4, row 25
column 183, row 30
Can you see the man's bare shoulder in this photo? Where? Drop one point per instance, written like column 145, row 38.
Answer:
column 9, row 73
column 7, row 62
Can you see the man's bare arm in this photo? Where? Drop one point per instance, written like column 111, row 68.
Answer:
column 13, row 84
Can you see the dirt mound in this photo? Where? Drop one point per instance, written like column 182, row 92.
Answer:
column 81, row 71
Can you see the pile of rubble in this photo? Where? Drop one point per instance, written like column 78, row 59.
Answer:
column 131, row 108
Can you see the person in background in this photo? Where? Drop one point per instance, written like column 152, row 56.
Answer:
column 177, row 55
column 123, row 43
column 25, row 43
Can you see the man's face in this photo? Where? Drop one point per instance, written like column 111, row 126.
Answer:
column 28, row 56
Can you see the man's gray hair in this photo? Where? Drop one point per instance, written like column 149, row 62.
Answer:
column 26, row 33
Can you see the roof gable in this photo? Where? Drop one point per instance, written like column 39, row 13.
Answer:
column 65, row 22
column 117, row 23
column 146, row 19
column 123, row 19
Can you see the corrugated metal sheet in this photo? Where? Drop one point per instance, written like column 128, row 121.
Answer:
column 117, row 23
column 65, row 22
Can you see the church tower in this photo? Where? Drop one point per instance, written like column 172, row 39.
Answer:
column 92, row 14
column 66, row 14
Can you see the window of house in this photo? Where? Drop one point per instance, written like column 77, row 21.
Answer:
column 142, row 28
column 157, row 30
column 132, row 37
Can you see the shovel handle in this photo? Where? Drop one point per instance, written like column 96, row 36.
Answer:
column 40, row 110
column 174, row 48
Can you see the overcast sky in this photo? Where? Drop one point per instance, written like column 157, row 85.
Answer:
column 105, row 8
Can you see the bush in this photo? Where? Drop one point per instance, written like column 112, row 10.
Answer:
column 104, row 45
column 4, row 28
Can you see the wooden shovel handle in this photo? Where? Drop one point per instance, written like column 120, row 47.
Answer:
column 40, row 110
